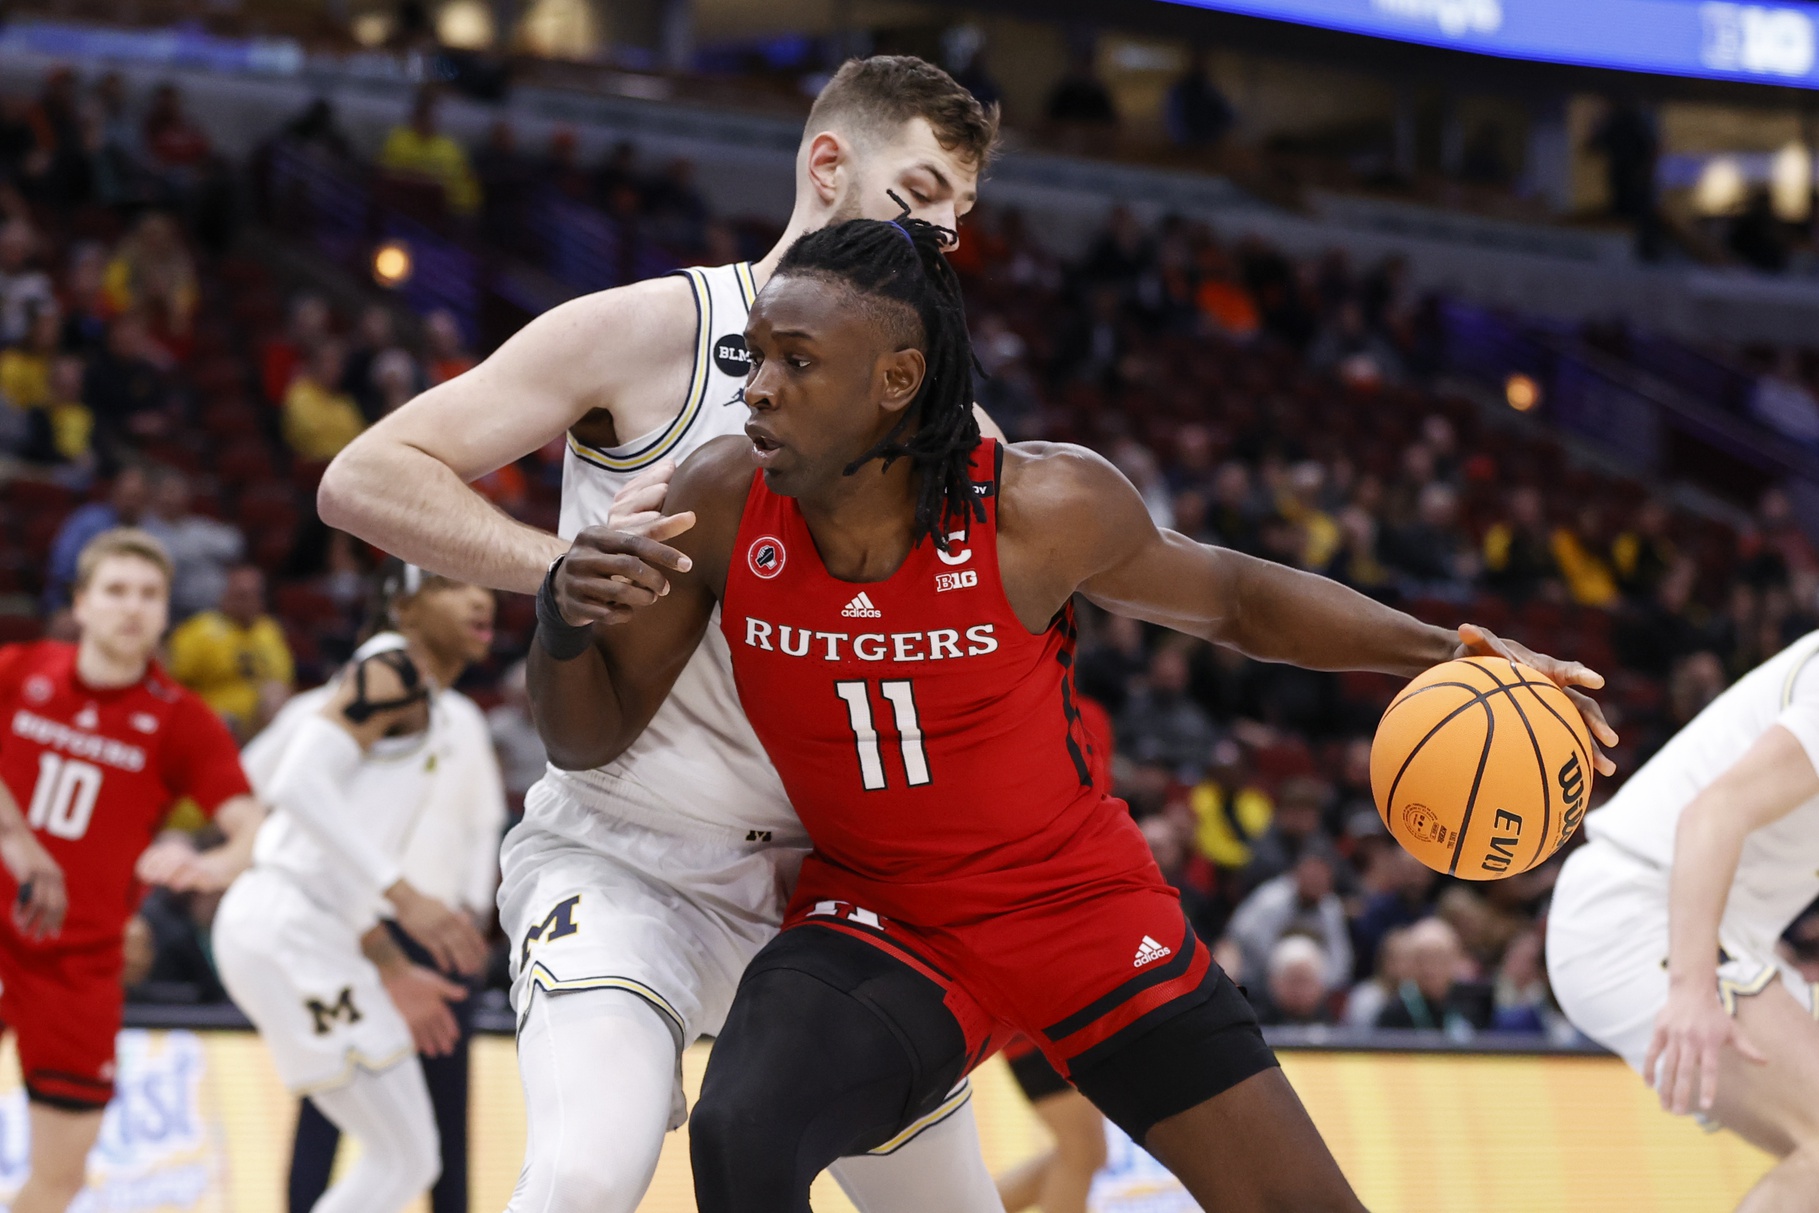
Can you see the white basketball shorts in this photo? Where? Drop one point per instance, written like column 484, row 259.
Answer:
column 670, row 916
column 295, row 968
column 1607, row 951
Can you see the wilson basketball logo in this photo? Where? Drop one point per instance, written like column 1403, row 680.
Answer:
column 766, row 557
column 1422, row 824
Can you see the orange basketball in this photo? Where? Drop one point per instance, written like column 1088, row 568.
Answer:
column 1481, row 768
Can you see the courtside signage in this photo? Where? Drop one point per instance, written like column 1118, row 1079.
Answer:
column 1764, row 43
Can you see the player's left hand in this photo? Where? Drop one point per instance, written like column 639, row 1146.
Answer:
column 1569, row 676
column 422, row 996
column 166, row 862
column 639, row 505
column 181, row 868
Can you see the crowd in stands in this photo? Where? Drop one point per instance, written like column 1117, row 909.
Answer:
column 153, row 373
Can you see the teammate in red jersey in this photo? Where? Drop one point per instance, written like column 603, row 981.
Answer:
column 970, row 878
column 97, row 744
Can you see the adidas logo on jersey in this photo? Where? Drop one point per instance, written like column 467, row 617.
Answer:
column 1149, row 950
column 861, row 608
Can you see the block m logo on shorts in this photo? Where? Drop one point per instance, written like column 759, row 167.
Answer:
column 557, row 923
column 325, row 1014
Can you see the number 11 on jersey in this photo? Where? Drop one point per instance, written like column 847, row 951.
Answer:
column 901, row 694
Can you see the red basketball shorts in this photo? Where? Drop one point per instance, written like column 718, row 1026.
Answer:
column 64, row 1008
column 1076, row 974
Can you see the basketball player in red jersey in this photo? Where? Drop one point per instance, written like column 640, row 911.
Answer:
column 97, row 744
column 903, row 643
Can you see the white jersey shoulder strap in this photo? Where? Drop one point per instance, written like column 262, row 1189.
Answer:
column 723, row 297
column 1809, row 644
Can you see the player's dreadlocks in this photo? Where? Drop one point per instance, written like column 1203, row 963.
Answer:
column 901, row 262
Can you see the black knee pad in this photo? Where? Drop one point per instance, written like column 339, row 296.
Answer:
column 830, row 1048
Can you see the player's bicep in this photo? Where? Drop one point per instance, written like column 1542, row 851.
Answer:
column 572, row 359
column 1777, row 774
column 1133, row 567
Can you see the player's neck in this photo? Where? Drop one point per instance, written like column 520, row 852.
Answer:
column 806, row 218
column 862, row 523
column 443, row 671
column 101, row 671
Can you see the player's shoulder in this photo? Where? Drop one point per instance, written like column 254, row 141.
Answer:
column 715, row 475
column 1043, row 480
column 463, row 712
column 41, row 659
column 164, row 693
column 652, row 319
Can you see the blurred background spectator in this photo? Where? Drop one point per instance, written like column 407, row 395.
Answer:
column 235, row 656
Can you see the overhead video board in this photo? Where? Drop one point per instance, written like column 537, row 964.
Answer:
column 1758, row 43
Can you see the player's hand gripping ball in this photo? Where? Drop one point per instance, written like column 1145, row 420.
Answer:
column 1481, row 768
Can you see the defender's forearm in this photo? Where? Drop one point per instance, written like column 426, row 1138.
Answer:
column 1708, row 842
column 577, row 709
column 411, row 504
column 1287, row 615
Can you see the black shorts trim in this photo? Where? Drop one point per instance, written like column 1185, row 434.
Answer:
column 1174, row 1058
column 1037, row 1078
column 1155, row 975
column 67, row 1103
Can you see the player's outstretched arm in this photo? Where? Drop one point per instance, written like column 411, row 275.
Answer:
column 1773, row 778
column 1078, row 524
column 403, row 483
column 1106, row 546
column 595, row 688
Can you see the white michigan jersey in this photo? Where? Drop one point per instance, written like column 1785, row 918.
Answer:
column 444, row 773
column 1778, row 872
column 698, row 759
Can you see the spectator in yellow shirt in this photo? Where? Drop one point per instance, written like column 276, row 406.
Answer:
column 25, row 369
column 418, row 149
column 319, row 418
column 1588, row 575
column 235, row 656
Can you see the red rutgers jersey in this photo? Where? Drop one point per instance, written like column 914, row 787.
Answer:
column 94, row 771
column 929, row 741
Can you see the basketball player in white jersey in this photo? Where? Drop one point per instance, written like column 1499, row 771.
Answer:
column 635, row 894
column 1661, row 938
column 357, row 773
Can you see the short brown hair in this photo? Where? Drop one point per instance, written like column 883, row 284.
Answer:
column 878, row 95
column 121, row 541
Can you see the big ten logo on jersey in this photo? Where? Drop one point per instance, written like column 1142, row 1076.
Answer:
column 957, row 553
column 732, row 356
column 941, row 644
column 846, row 911
column 558, row 923
column 160, row 1146
column 325, row 1015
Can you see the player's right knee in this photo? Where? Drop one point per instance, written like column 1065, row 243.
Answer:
column 583, row 1185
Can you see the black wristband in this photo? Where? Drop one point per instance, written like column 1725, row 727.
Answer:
column 561, row 639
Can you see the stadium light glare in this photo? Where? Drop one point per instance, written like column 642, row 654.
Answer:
column 392, row 264
column 1522, row 392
